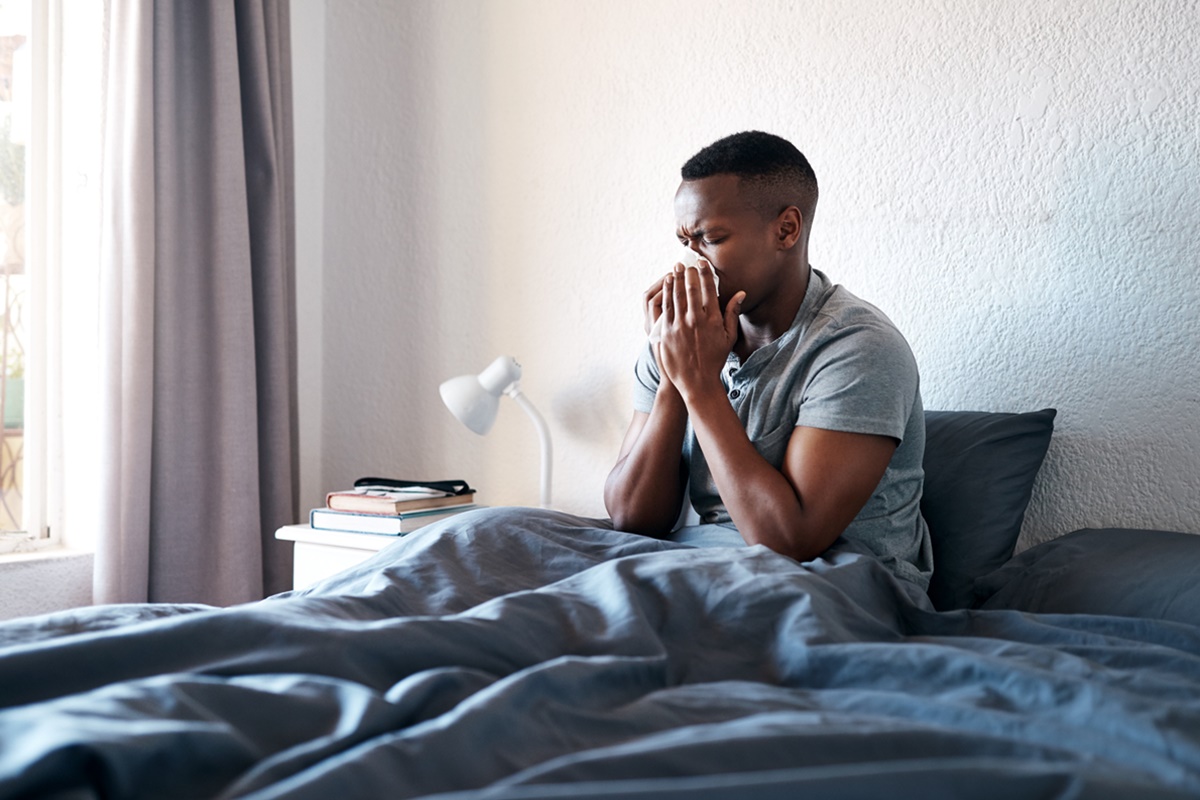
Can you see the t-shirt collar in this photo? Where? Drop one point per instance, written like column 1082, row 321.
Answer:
column 815, row 295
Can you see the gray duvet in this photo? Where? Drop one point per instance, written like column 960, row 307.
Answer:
column 514, row 653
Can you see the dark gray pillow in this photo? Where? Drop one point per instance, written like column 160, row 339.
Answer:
column 1117, row 571
column 979, row 473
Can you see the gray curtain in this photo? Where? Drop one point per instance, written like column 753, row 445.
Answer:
column 198, row 330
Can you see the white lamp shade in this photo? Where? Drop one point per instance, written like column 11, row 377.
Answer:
column 475, row 399
column 473, row 405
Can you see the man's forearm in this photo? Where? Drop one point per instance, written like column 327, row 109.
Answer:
column 644, row 491
column 761, row 502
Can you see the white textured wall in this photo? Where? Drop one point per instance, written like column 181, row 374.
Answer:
column 1015, row 183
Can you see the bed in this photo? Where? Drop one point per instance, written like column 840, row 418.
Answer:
column 520, row 653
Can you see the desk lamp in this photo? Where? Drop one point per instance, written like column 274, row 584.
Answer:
column 475, row 399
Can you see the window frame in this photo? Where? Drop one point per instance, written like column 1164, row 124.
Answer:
column 42, row 447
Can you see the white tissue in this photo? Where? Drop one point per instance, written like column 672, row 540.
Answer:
column 656, row 331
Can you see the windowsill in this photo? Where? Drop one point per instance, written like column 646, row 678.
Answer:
column 53, row 578
column 43, row 553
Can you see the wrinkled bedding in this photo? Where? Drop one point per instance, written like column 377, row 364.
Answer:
column 518, row 653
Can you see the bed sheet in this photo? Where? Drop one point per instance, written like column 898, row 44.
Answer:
column 518, row 653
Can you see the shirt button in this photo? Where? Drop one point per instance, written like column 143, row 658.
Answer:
column 735, row 394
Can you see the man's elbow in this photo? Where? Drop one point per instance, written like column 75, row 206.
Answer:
column 645, row 508
column 623, row 520
column 636, row 521
column 798, row 542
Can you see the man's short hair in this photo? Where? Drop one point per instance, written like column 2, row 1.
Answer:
column 773, row 172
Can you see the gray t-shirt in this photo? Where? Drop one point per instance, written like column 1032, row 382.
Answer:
column 841, row 366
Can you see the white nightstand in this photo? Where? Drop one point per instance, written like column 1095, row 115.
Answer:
column 319, row 554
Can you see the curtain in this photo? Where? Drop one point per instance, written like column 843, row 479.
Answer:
column 198, row 390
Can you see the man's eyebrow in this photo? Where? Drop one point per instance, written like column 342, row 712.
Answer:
column 698, row 233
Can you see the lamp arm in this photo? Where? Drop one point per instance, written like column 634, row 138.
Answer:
column 543, row 431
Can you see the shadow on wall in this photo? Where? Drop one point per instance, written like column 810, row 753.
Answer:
column 1095, row 478
column 1117, row 306
column 593, row 410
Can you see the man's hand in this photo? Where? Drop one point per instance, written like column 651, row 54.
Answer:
column 652, row 303
column 696, row 337
column 645, row 489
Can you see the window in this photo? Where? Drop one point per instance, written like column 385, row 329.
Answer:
column 50, row 135
column 15, row 98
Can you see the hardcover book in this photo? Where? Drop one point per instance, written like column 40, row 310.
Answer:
column 370, row 499
column 326, row 519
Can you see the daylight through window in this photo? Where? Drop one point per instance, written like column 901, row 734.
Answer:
column 15, row 98
column 50, row 140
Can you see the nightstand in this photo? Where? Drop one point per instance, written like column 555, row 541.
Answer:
column 319, row 554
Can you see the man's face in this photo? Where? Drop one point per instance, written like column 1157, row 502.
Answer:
column 715, row 220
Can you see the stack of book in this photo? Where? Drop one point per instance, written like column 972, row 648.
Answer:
column 390, row 507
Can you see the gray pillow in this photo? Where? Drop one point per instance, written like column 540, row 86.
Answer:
column 1115, row 571
column 979, row 473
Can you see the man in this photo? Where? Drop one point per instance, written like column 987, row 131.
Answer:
column 787, row 408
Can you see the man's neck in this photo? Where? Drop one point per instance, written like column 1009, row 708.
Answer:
column 771, row 320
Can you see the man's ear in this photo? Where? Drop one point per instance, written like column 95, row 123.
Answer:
column 789, row 226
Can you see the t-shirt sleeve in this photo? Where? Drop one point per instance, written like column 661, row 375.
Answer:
column 864, row 380
column 646, row 378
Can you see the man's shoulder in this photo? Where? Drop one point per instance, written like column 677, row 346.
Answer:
column 846, row 319
column 844, row 307
column 849, row 335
